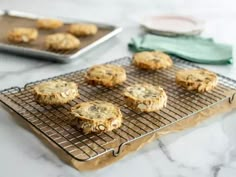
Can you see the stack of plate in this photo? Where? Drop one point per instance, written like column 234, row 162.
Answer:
column 172, row 25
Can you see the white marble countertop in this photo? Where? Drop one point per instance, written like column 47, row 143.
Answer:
column 208, row 150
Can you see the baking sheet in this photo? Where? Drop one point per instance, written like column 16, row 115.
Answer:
column 11, row 19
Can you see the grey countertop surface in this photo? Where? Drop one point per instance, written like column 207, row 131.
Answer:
column 208, row 150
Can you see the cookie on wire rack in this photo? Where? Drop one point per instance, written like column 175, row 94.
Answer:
column 152, row 60
column 145, row 97
column 200, row 80
column 96, row 116
column 22, row 35
column 107, row 75
column 56, row 92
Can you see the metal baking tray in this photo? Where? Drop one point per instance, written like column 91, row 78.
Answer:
column 52, row 121
column 10, row 19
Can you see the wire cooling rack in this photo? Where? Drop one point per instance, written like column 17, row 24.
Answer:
column 52, row 121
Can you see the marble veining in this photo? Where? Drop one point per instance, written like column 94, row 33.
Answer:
column 207, row 150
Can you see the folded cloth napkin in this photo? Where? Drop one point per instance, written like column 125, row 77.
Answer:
column 195, row 49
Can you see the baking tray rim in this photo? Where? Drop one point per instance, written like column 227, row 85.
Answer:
column 64, row 58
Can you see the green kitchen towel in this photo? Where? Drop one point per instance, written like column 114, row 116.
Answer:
column 195, row 49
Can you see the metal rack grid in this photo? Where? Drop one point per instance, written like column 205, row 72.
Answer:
column 52, row 121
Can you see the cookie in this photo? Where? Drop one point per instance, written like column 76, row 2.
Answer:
column 83, row 29
column 145, row 97
column 22, row 35
column 55, row 92
column 107, row 75
column 49, row 24
column 61, row 41
column 96, row 116
column 152, row 60
column 200, row 80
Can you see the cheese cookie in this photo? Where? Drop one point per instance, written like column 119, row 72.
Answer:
column 107, row 75
column 145, row 97
column 96, row 116
column 61, row 41
column 49, row 24
column 22, row 35
column 152, row 60
column 200, row 80
column 55, row 92
column 83, row 29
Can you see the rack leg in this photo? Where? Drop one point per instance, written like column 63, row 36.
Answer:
column 231, row 99
column 116, row 153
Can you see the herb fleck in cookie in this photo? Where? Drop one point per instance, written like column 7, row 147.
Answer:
column 107, row 75
column 145, row 97
column 22, row 35
column 55, row 92
column 49, row 24
column 83, row 29
column 61, row 41
column 152, row 60
column 197, row 79
column 96, row 116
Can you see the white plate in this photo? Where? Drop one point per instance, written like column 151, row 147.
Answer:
column 172, row 25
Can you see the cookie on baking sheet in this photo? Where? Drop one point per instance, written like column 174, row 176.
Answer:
column 200, row 80
column 96, row 116
column 61, row 41
column 83, row 29
column 49, row 24
column 145, row 97
column 107, row 75
column 22, row 35
column 55, row 92
column 152, row 60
